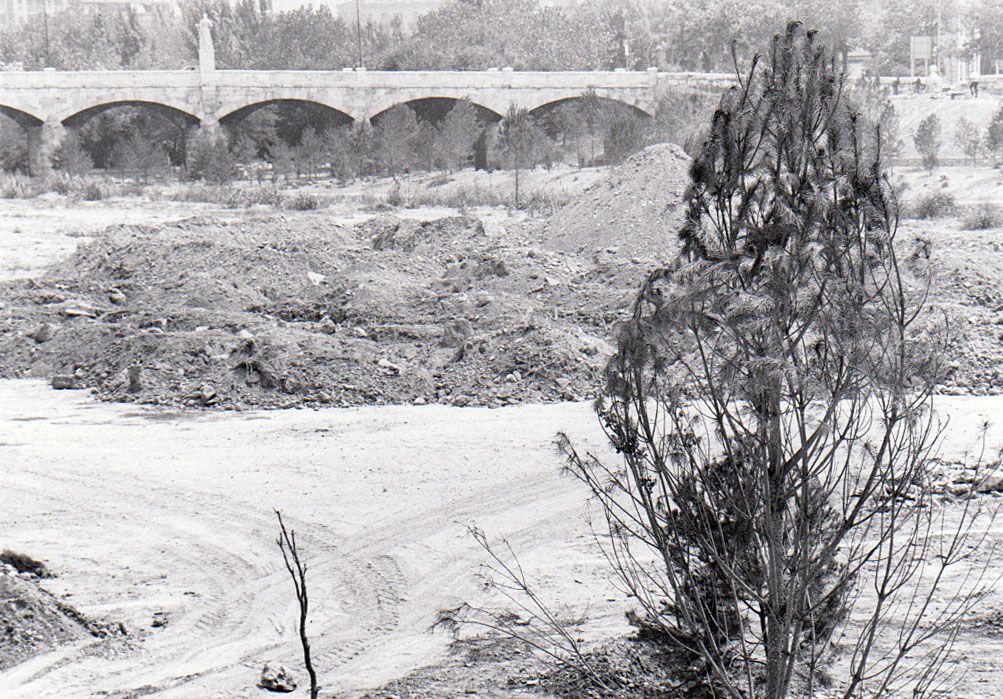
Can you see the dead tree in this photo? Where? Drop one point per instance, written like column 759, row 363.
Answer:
column 297, row 571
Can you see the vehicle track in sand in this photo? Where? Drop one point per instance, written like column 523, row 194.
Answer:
column 174, row 514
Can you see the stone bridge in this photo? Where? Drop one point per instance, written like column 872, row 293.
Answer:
column 44, row 101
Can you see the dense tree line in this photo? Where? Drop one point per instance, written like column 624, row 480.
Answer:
column 480, row 34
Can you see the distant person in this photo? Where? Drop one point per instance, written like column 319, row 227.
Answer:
column 896, row 86
column 917, row 86
column 973, row 87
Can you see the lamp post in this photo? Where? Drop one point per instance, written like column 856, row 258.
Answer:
column 358, row 30
column 45, row 33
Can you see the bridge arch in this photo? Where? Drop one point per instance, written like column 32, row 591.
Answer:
column 238, row 111
column 78, row 115
column 613, row 102
column 434, row 108
column 23, row 119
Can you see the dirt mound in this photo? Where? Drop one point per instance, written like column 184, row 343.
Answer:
column 280, row 310
column 283, row 309
column 32, row 621
column 636, row 209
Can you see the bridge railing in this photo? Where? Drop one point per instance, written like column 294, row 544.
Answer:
column 362, row 79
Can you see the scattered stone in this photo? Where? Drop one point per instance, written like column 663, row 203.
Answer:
column 135, row 384
column 80, row 308
column 389, row 366
column 991, row 484
column 43, row 333
column 456, row 333
column 207, row 394
column 117, row 297
column 276, row 679
column 62, row 382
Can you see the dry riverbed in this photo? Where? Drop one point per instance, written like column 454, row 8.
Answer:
column 146, row 514
column 160, row 518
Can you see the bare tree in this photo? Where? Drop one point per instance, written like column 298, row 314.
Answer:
column 297, row 571
column 537, row 624
column 771, row 400
column 310, row 152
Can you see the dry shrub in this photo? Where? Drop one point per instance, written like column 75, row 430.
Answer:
column 302, row 201
column 932, row 205
column 981, row 217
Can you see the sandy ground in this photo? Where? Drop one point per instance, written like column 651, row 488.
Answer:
column 41, row 231
column 142, row 512
column 146, row 511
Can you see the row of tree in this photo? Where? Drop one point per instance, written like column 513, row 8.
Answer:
column 479, row 34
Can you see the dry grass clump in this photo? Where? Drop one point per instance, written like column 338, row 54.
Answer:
column 932, row 205
column 981, row 217
column 467, row 196
column 229, row 196
column 302, row 201
column 15, row 186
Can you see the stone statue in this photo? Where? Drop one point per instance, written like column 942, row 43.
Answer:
column 207, row 53
column 933, row 81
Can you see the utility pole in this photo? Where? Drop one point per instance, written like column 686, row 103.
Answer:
column 938, row 47
column 358, row 29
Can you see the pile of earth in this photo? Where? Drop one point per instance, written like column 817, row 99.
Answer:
column 967, row 293
column 636, row 210
column 283, row 309
column 278, row 310
column 32, row 621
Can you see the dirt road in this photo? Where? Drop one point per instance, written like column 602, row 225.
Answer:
column 143, row 511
